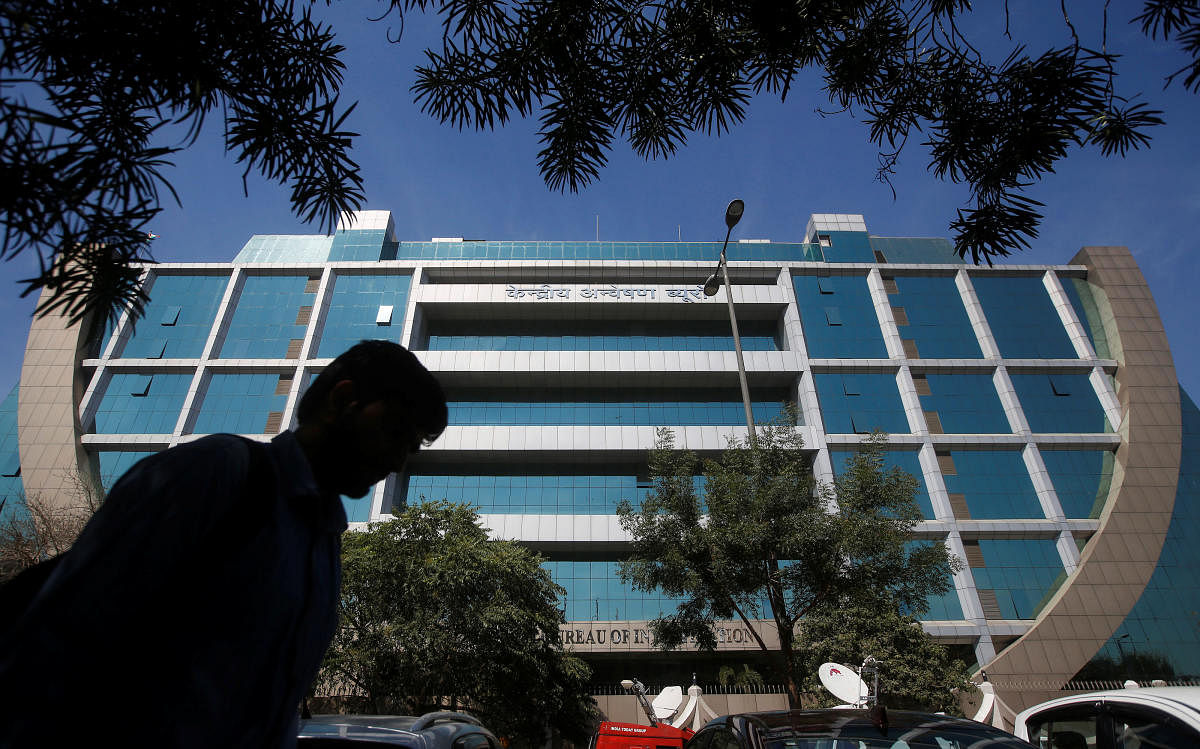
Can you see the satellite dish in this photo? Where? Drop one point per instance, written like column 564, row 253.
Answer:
column 844, row 683
column 667, row 703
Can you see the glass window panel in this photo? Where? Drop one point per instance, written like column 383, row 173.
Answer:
column 877, row 404
column 1060, row 403
column 178, row 318
column 354, row 309
column 995, row 484
column 853, row 329
column 1022, row 317
column 155, row 412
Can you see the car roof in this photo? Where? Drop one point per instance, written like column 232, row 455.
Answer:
column 391, row 727
column 856, row 723
column 1181, row 702
column 1184, row 698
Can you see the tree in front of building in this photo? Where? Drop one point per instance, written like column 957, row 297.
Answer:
column 915, row 671
column 767, row 544
column 435, row 616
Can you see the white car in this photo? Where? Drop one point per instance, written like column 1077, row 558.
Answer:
column 1142, row 718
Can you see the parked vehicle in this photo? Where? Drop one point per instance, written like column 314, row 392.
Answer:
column 440, row 730
column 612, row 735
column 1143, row 718
column 660, row 734
column 849, row 728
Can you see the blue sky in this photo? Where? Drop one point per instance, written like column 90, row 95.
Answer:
column 786, row 161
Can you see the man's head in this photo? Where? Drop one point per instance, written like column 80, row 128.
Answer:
column 366, row 413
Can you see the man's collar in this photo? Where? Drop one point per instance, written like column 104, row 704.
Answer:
column 298, row 485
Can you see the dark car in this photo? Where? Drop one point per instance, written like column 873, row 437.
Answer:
column 849, row 729
column 440, row 730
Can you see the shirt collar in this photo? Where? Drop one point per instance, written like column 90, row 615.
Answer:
column 297, row 483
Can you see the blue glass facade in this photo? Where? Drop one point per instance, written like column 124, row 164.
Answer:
column 1087, row 311
column 635, row 407
column 269, row 316
column 355, row 311
column 933, row 317
column 1023, row 574
column 1081, row 479
column 141, row 404
column 1022, row 317
column 530, row 489
column 594, row 592
column 239, row 403
column 12, row 494
column 179, row 317
column 860, row 403
column 839, row 317
column 1060, row 403
column 964, row 404
column 995, row 484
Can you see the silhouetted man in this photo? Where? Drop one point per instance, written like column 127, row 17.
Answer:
column 196, row 606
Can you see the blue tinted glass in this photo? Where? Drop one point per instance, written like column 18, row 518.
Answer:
column 1087, row 310
column 354, row 308
column 114, row 464
column 1023, row 573
column 916, row 250
column 358, row 510
column 854, row 403
column 530, row 489
column 848, row 247
column 1022, row 317
column 994, row 483
column 238, row 404
column 706, row 251
column 1081, row 479
column 599, row 335
column 141, row 404
column 357, row 244
column 839, row 317
column 965, row 404
column 625, row 407
column 12, row 492
column 178, row 318
column 905, row 460
column 941, row 607
column 1162, row 623
column 1060, row 403
column 937, row 320
column 265, row 321
column 594, row 592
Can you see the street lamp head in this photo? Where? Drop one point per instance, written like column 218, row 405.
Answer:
column 712, row 285
column 733, row 212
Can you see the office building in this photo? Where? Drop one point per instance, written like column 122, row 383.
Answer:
column 1037, row 405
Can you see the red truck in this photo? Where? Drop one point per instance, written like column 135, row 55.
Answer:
column 657, row 735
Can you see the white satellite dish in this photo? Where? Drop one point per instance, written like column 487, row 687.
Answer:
column 844, row 683
column 667, row 703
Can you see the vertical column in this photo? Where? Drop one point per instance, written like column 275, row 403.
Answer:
column 883, row 310
column 983, row 333
column 1008, row 399
column 1108, row 399
column 1066, row 313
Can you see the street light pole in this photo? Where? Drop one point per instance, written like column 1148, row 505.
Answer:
column 733, row 214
